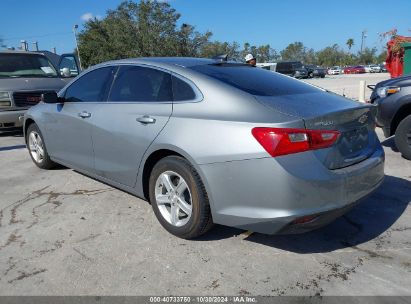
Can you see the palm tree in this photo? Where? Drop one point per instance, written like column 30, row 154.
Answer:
column 350, row 43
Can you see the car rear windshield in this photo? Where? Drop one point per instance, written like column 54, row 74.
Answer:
column 254, row 80
column 25, row 65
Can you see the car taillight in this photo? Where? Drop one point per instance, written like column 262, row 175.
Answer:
column 283, row 141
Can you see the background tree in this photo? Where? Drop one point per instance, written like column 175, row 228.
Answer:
column 350, row 43
column 331, row 55
column 367, row 56
column 382, row 56
column 143, row 29
column 294, row 51
column 149, row 28
column 215, row 48
column 265, row 53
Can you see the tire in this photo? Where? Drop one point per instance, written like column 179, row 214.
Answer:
column 311, row 75
column 322, row 76
column 403, row 137
column 171, row 173
column 37, row 148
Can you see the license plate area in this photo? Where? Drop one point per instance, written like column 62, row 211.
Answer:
column 354, row 140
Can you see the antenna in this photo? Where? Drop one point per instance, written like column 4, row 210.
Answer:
column 221, row 58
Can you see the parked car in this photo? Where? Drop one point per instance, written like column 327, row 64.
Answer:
column 354, row 70
column 393, row 97
column 315, row 71
column 270, row 66
column 24, row 76
column 372, row 68
column 335, row 70
column 383, row 68
column 292, row 68
column 207, row 141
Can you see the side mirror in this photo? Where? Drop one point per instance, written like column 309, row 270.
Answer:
column 51, row 97
column 68, row 62
column 66, row 72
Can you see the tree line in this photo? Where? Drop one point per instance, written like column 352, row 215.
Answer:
column 149, row 28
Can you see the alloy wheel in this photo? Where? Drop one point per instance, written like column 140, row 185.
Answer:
column 173, row 198
column 36, row 147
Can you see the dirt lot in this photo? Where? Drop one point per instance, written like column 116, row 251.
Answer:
column 62, row 233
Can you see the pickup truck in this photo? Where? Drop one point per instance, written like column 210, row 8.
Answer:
column 393, row 98
column 24, row 76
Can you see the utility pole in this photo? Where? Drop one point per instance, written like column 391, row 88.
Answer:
column 363, row 36
column 75, row 38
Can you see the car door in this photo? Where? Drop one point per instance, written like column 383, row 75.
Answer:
column 138, row 107
column 69, row 125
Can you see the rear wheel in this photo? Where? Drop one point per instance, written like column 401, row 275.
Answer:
column 37, row 148
column 403, row 137
column 179, row 199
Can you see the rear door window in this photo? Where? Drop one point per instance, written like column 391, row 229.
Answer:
column 92, row 87
column 141, row 84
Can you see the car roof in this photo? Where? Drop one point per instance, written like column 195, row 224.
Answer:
column 179, row 61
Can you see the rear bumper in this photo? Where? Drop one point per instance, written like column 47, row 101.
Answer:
column 267, row 195
column 11, row 119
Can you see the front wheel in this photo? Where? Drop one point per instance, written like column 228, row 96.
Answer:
column 403, row 137
column 37, row 148
column 179, row 199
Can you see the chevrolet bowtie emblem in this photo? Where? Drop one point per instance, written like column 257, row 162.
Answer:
column 363, row 118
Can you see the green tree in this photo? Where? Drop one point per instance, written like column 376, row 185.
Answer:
column 331, row 55
column 294, row 51
column 367, row 56
column 350, row 43
column 246, row 50
column 143, row 29
column 265, row 53
column 215, row 48
column 297, row 51
column 382, row 56
column 310, row 56
column 190, row 42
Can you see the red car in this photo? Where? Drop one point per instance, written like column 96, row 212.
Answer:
column 354, row 70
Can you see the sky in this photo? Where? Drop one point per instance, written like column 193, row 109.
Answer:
column 316, row 23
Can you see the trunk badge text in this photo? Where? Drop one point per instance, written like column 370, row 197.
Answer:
column 324, row 123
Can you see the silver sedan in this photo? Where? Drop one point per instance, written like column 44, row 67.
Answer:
column 209, row 141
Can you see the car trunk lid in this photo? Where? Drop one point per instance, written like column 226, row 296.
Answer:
column 328, row 111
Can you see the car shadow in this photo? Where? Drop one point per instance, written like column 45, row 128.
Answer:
column 13, row 133
column 390, row 143
column 365, row 222
column 15, row 147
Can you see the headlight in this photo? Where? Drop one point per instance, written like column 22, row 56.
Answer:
column 5, row 100
column 385, row 91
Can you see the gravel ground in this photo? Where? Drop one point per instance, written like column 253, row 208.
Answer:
column 62, row 233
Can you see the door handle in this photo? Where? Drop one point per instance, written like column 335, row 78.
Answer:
column 84, row 114
column 146, row 119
